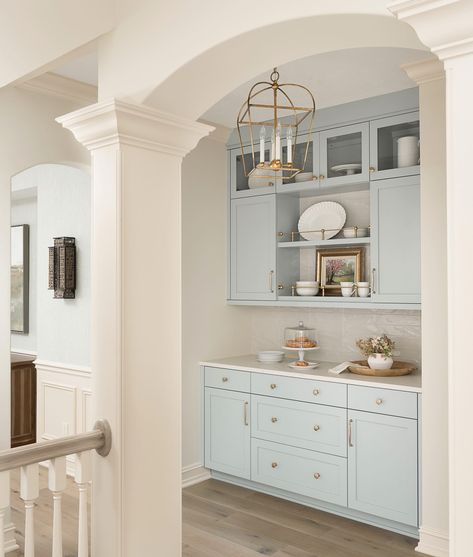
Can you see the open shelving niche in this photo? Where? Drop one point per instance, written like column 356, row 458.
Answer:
column 296, row 260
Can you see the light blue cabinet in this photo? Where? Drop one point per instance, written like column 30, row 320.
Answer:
column 253, row 248
column 358, row 452
column 342, row 146
column 385, row 159
column 227, row 432
column 240, row 166
column 395, row 240
column 382, row 466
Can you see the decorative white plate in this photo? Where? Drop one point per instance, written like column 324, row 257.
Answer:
column 346, row 169
column 311, row 365
column 327, row 215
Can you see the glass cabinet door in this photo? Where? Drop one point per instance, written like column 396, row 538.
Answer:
column 244, row 186
column 344, row 155
column 395, row 146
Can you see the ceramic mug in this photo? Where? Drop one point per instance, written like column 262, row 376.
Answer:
column 347, row 289
column 363, row 289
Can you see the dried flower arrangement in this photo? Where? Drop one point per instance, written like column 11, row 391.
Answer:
column 376, row 345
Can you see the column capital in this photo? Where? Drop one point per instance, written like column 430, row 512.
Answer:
column 425, row 71
column 445, row 26
column 115, row 122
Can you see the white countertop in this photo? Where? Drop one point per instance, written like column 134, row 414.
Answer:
column 412, row 382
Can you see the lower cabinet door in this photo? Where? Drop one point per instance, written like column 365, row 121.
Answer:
column 308, row 473
column 227, row 432
column 382, row 466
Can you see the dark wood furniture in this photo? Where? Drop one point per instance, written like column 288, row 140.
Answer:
column 23, row 400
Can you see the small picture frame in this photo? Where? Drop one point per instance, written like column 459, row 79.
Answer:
column 338, row 265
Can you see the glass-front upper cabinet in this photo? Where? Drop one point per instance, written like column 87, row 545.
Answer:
column 304, row 151
column 244, row 186
column 395, row 146
column 344, row 155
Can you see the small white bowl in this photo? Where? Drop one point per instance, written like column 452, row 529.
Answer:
column 360, row 233
column 270, row 356
column 310, row 283
column 307, row 290
column 304, row 177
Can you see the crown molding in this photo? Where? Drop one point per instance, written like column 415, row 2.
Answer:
column 115, row 122
column 425, row 71
column 445, row 26
column 59, row 86
column 220, row 133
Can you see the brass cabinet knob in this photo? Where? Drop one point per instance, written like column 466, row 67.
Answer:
column 274, row 464
column 315, row 178
column 316, row 475
column 273, row 386
column 316, row 427
column 270, row 183
column 224, row 379
column 274, row 420
column 280, row 286
column 316, row 392
column 321, row 177
column 379, row 401
column 372, row 169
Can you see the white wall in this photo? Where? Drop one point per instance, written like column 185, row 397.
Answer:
column 24, row 211
column 210, row 328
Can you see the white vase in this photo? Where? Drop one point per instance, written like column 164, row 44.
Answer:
column 380, row 361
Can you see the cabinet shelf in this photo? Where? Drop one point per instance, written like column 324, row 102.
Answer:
column 313, row 188
column 325, row 243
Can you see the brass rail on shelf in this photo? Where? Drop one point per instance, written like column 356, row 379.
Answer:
column 294, row 234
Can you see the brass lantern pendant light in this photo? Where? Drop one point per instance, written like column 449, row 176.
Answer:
column 270, row 113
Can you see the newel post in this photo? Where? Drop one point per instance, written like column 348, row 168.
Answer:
column 136, row 321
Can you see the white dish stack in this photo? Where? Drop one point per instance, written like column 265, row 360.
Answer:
column 270, row 356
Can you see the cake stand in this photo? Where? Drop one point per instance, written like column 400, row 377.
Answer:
column 301, row 352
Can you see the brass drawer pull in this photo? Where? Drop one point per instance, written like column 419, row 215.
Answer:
column 273, row 386
column 350, row 433
column 274, row 420
column 316, row 427
column 316, row 392
column 274, row 464
column 379, row 401
column 224, row 379
column 316, row 475
column 245, row 413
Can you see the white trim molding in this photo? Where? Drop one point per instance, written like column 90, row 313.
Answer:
column 59, row 86
column 433, row 543
column 445, row 26
column 115, row 122
column 194, row 474
column 68, row 369
column 425, row 71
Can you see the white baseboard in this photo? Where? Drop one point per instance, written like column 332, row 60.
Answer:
column 194, row 474
column 433, row 543
column 10, row 541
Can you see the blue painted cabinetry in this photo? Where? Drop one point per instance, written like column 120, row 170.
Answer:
column 327, row 443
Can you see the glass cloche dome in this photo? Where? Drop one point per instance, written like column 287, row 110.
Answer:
column 300, row 337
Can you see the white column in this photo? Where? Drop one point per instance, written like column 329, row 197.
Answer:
column 430, row 77
column 136, row 321
column 447, row 28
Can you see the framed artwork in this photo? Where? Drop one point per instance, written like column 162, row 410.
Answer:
column 19, row 270
column 339, row 265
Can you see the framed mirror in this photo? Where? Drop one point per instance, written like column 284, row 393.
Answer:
column 19, row 300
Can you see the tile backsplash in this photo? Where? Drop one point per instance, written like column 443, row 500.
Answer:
column 338, row 329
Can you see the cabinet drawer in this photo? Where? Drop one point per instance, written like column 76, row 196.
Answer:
column 229, row 379
column 300, row 424
column 301, row 471
column 383, row 401
column 307, row 390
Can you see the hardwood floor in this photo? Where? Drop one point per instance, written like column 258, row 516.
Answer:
column 222, row 520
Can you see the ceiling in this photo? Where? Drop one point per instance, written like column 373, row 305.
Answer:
column 334, row 78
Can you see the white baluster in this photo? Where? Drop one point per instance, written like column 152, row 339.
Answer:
column 83, row 477
column 57, row 484
column 4, row 502
column 29, row 492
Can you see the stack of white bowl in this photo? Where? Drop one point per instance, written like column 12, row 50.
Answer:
column 307, row 287
column 270, row 356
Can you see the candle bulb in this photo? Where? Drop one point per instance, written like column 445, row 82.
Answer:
column 278, row 142
column 262, row 140
column 289, row 145
column 273, row 149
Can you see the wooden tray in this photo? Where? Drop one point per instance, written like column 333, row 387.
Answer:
column 399, row 368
